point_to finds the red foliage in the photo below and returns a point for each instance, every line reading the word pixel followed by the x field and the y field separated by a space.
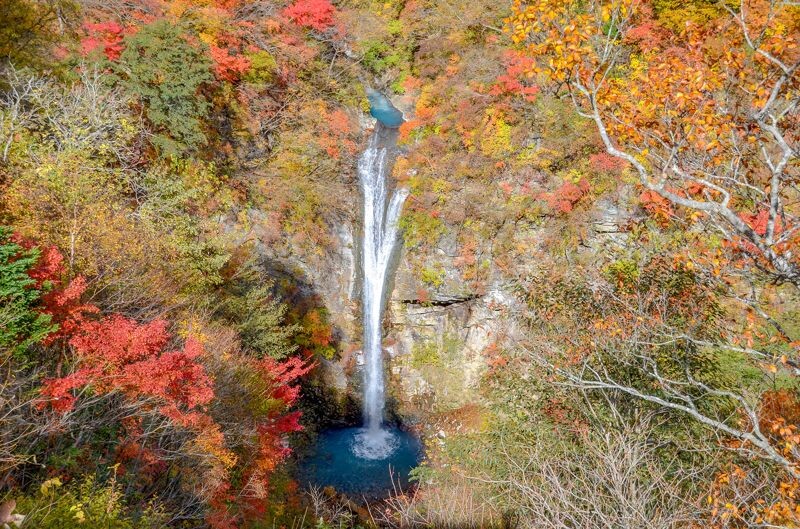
pixel 647 34
pixel 606 163
pixel 58 391
pixel 108 35
pixel 116 341
pixel 313 14
pixel 49 267
pixel 281 375
pixel 228 67
pixel 118 354
pixel 495 359
pixel 758 222
pixel 270 447
pixel 66 309
pixel 63 304
pixel 133 448
pixel 564 198
pixel 507 187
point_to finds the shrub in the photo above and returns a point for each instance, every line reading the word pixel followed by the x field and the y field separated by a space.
pixel 88 503
pixel 167 72
pixel 21 324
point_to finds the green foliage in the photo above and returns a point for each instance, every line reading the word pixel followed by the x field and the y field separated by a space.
pixel 624 272
pixel 381 56
pixel 394 27
pixel 87 503
pixel 433 276
pixel 425 354
pixel 167 73
pixel 495 141
pixel 21 324
pixel 260 319
pixel 375 53
pixel 440 361
pixel 262 68
pixel 421 229
pixel 178 198
pixel 421 474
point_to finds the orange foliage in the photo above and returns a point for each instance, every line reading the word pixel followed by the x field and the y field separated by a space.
pixel 228 67
pixel 703 111
pixel 320 332
pixel 657 206
pixel 742 498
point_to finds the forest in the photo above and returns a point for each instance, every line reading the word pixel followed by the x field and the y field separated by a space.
pixel 405 264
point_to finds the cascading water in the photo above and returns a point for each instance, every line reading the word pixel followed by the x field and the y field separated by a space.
pixel 372 460
pixel 380 238
pixel 381 214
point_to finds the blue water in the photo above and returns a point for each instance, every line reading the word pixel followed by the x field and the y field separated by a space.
pixel 383 110
pixel 337 464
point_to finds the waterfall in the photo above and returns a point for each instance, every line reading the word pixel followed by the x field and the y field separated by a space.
pixel 381 214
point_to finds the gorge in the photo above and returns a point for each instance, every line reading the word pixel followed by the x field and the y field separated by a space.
pixel 370 460
pixel 399 264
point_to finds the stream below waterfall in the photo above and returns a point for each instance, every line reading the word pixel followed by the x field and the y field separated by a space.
pixel 372 460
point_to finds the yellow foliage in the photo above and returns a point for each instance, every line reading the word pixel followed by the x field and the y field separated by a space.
pixel 495 136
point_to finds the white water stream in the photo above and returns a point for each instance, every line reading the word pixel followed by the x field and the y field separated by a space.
pixel 381 214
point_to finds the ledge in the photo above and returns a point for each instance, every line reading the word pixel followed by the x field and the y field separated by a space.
pixel 446 302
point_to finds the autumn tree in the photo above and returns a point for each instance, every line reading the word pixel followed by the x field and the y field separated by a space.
pixel 313 14
pixel 230 424
pixel 29 29
pixel 705 114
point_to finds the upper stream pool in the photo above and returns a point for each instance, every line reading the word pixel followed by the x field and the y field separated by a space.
pixel 383 110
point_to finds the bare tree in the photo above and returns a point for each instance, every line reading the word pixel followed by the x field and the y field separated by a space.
pixel 615 480
pixel 16 111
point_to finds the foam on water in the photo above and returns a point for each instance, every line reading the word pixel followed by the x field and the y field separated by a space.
pixel 374 444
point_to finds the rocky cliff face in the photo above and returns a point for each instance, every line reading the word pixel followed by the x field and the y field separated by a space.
pixel 439 350
pixel 435 347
